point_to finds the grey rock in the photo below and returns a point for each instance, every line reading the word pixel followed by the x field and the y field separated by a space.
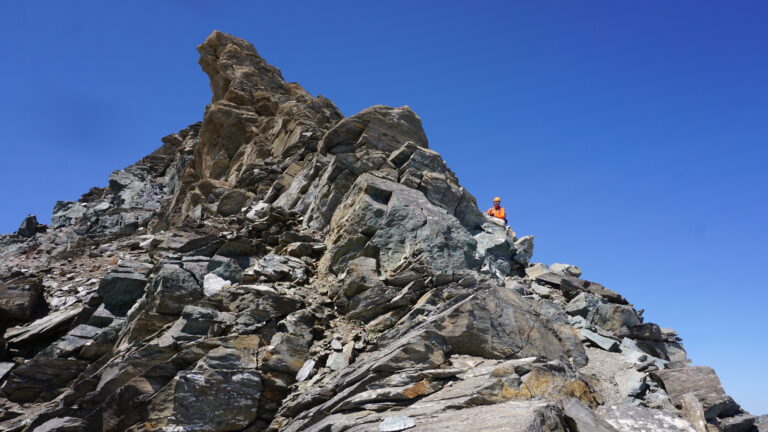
pixel 39 379
pixel 738 423
pixel 580 418
pixel 305 371
pixel 498 323
pixel 43 327
pixel 566 269
pixel 5 368
pixel 193 399
pixel 703 383
pixel 762 423
pixel 640 419
pixel 121 290
pixel 693 412
pixel 394 424
pixel 225 268
pixel 19 298
pixel 286 353
pixel 172 288
pixel 62 424
pixel 213 285
pixel 28 226
pixel 279 268
pixel 603 342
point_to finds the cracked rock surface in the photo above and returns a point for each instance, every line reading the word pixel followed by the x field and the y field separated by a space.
pixel 280 267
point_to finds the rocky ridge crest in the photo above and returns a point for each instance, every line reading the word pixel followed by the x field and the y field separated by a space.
pixel 279 267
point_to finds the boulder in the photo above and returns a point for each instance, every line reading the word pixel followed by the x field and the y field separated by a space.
pixel 40 379
pixel 28 227
pixel 742 422
pixel 44 327
pixel 275 268
pixel 498 323
pixel 580 418
pixel 193 399
pixel 121 290
pixel 641 419
pixel 19 298
pixel 703 383
pixel 565 269
pixel 172 288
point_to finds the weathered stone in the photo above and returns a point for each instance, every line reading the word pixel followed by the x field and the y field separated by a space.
pixel 394 424
pixel 580 418
pixel 62 424
pixel 693 412
pixel 172 288
pixel 278 268
pixel 305 371
pixel 193 399
pixel 738 423
pixel 19 298
pixel 603 342
pixel 40 379
pixel 566 269
pixel 28 227
pixel 213 285
pixel 121 290
pixel 44 327
pixel 498 323
pixel 641 419
pixel 703 383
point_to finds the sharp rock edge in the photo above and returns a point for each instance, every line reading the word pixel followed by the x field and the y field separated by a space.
pixel 280 267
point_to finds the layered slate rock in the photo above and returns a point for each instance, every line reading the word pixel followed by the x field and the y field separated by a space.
pixel 280 267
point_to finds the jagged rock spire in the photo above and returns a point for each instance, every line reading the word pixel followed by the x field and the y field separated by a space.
pixel 277 267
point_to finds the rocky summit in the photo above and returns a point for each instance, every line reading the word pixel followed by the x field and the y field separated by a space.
pixel 280 267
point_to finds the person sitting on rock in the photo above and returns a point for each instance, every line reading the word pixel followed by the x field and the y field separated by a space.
pixel 497 210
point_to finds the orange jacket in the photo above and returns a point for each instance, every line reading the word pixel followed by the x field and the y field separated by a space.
pixel 497 213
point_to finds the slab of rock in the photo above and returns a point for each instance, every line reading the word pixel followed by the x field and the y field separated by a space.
pixel 173 288
pixel 193 399
pixel 19 298
pixel 213 284
pixel 5 367
pixel 602 342
pixel 742 422
pixel 121 290
pixel 62 424
pixel 640 419
pixel 703 383
pixel 693 412
pixel 394 424
pixel 279 268
pixel 28 227
pixel 580 418
pixel 43 327
pixel 566 269
pixel 40 379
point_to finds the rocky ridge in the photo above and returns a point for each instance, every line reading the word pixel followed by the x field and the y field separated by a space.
pixel 280 267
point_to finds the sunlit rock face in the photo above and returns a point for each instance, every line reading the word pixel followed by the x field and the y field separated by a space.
pixel 280 267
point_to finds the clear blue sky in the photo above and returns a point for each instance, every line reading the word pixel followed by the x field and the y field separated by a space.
pixel 629 137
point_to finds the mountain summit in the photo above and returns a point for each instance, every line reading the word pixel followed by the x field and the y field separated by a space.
pixel 279 267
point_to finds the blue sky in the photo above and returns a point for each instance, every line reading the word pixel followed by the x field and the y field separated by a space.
pixel 628 137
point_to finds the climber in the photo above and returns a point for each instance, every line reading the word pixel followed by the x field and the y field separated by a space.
pixel 497 210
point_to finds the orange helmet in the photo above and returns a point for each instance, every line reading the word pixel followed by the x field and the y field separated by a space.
pixel 497 199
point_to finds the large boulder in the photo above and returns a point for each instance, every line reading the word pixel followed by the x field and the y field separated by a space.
pixel 400 228
pixel 703 383
pixel 221 393
pixel 19 298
